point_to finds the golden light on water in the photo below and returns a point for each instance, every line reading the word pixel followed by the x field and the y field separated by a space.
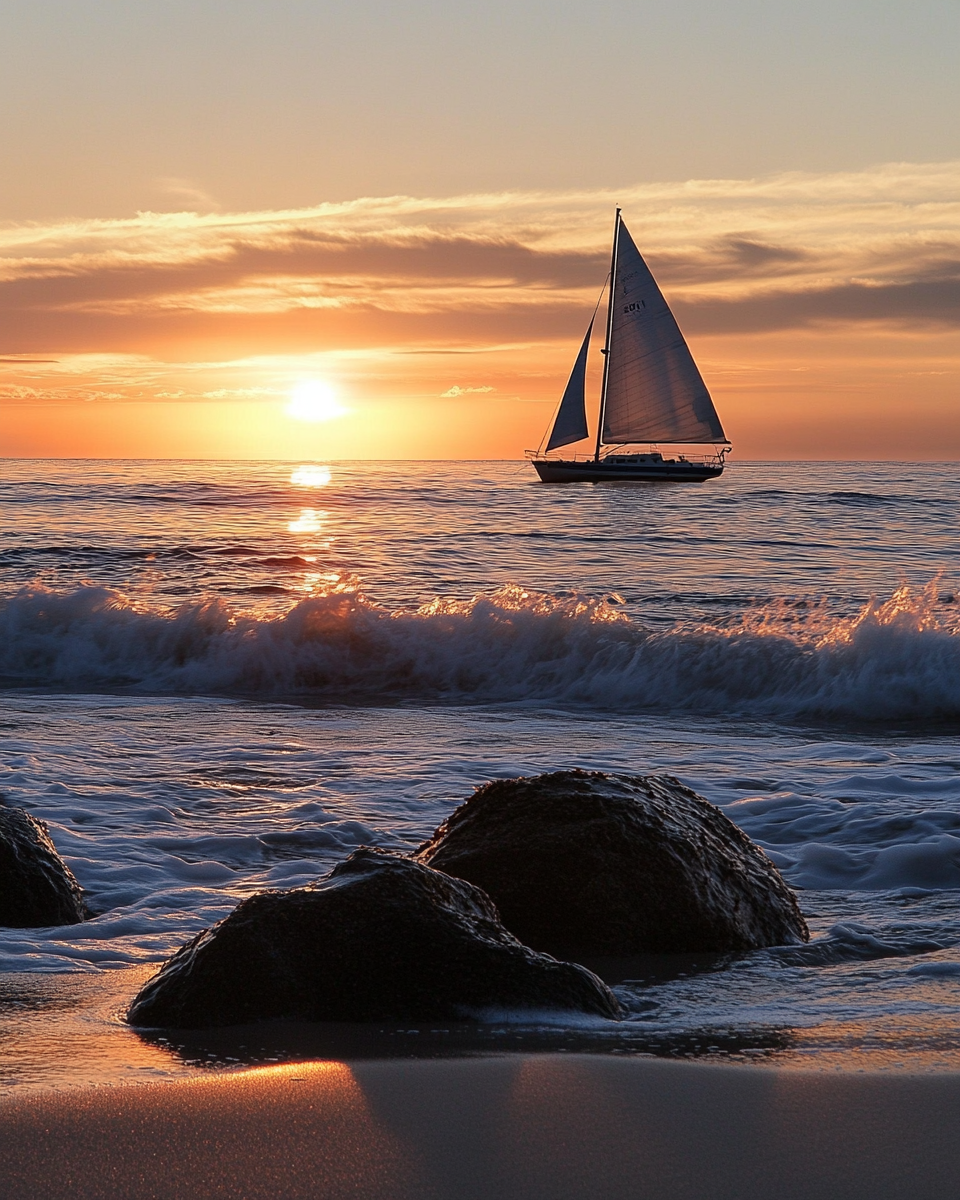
pixel 314 400
pixel 309 521
pixel 319 581
pixel 311 476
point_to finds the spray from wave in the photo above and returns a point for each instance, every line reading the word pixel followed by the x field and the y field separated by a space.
pixel 897 659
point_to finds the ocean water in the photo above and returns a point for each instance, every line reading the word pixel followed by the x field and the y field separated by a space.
pixel 219 677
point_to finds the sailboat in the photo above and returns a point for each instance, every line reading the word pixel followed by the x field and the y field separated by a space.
pixel 652 393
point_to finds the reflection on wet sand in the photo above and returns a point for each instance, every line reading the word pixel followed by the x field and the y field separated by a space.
pixel 68 1031
pixel 293 1041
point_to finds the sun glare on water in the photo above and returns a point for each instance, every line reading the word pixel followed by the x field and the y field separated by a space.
pixel 311 476
pixel 309 521
pixel 314 400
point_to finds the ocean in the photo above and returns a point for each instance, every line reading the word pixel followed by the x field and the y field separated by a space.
pixel 220 677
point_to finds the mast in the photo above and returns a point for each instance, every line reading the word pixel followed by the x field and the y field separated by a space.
pixel 606 349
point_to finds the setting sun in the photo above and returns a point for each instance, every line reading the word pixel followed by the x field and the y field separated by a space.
pixel 314 400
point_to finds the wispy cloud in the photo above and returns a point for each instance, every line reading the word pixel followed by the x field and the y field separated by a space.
pixel 391 275
pixel 191 194
pixel 456 390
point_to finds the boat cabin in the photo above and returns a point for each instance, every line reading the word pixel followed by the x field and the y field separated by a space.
pixel 652 457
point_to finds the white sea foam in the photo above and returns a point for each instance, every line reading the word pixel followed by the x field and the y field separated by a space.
pixel 896 659
pixel 169 810
pixel 187 756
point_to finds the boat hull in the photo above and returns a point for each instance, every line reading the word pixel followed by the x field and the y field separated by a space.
pixel 552 470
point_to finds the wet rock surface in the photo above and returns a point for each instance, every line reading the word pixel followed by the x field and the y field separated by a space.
pixel 380 938
pixel 37 888
pixel 582 864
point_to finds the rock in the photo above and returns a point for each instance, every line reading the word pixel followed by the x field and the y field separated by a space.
pixel 37 887
pixel 583 864
pixel 381 938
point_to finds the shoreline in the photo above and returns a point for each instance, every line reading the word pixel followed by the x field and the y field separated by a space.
pixel 537 1127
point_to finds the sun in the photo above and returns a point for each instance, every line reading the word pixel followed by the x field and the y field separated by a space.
pixel 314 400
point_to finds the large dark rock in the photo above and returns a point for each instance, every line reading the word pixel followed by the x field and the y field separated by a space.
pixel 381 938
pixel 582 864
pixel 37 887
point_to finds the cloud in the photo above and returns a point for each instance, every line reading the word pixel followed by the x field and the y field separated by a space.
pixel 925 303
pixel 734 257
pixel 188 191
pixel 456 390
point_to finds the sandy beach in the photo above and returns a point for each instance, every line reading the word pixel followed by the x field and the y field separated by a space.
pixel 547 1127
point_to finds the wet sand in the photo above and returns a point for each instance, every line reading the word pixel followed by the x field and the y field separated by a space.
pixel 538 1127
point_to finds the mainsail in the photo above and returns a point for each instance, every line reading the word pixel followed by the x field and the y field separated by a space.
pixel 570 424
pixel 654 392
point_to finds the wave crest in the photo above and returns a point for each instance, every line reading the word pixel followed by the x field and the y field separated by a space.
pixel 897 659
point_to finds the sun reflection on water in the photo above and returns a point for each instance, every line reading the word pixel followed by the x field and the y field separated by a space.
pixel 319 581
pixel 311 476
pixel 310 521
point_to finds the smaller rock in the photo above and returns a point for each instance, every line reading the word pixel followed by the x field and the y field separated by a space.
pixel 381 938
pixel 583 864
pixel 37 888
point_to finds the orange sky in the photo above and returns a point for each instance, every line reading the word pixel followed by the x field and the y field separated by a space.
pixel 823 310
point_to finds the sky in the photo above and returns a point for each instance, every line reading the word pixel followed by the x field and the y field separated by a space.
pixel 210 211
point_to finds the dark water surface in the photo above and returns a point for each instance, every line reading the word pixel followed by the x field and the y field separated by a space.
pixel 219 677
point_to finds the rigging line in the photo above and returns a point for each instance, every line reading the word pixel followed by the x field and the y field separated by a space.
pixel 553 419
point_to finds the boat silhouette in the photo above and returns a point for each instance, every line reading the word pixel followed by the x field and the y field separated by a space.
pixel 652 394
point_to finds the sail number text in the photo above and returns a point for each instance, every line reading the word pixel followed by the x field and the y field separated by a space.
pixel 637 304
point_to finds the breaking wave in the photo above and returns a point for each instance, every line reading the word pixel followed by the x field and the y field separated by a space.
pixel 896 659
